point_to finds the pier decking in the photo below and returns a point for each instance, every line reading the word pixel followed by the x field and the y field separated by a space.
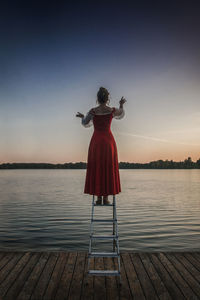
pixel 62 275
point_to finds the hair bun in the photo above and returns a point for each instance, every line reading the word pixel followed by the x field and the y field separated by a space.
pixel 102 95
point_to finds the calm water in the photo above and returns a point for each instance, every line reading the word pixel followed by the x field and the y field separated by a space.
pixel 158 210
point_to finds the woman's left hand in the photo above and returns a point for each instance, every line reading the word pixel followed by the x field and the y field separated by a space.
pixel 122 101
pixel 79 115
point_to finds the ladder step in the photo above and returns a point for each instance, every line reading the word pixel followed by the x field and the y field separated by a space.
pixel 104 220
pixel 112 237
pixel 104 272
pixel 103 254
pixel 103 204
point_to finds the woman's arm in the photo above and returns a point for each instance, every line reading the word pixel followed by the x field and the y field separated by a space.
pixel 87 120
pixel 119 112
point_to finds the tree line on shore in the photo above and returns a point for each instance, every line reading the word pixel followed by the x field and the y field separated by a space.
pixel 158 164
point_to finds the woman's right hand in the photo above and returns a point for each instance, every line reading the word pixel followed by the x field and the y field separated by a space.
pixel 122 101
pixel 79 115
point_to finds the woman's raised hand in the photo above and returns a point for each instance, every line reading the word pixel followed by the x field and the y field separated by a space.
pixel 122 101
pixel 79 115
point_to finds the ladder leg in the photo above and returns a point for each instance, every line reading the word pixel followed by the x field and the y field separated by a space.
pixel 115 213
pixel 114 231
pixel 91 230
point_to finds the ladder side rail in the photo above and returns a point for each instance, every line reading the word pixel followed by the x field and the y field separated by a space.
pixel 114 225
pixel 91 225
pixel 118 252
pixel 91 231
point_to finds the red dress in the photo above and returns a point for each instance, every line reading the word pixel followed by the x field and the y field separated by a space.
pixel 102 175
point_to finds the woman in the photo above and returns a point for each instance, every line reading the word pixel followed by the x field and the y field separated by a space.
pixel 102 176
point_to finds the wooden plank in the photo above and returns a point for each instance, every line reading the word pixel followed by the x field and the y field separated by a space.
pixel 66 278
pixel 191 257
pixel 143 277
pixel 2 255
pixel 17 285
pixel 16 265
pixel 125 289
pixel 88 285
pixel 181 283
pixel 5 259
pixel 30 284
pixel 99 281
pixel 134 283
pixel 112 292
pixel 196 255
pixel 77 280
pixel 45 277
pixel 55 277
pixel 181 264
pixel 174 291
pixel 158 284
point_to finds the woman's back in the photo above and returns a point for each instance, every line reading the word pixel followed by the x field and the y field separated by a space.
pixel 102 109
pixel 102 121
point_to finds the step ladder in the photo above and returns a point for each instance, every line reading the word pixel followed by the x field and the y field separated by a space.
pixel 113 238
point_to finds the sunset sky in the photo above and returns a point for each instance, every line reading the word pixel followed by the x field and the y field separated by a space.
pixel 54 58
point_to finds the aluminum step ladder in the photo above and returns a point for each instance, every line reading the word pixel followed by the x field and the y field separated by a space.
pixel 113 237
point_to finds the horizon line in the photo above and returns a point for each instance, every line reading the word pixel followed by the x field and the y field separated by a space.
pixel 72 162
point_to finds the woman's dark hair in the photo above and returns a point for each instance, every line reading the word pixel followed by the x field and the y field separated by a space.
pixel 103 95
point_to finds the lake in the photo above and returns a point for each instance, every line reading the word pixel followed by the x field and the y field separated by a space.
pixel 158 210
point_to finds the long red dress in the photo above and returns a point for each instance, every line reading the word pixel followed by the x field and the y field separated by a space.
pixel 102 175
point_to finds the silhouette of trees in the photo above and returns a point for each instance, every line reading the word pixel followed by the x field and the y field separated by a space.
pixel 70 165
pixel 198 163
pixel 163 164
pixel 158 164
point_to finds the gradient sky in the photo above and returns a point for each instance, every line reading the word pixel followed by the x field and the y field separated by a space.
pixel 55 56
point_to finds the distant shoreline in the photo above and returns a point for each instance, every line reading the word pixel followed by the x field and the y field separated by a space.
pixel 159 164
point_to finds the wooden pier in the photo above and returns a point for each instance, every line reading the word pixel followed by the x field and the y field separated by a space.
pixel 63 275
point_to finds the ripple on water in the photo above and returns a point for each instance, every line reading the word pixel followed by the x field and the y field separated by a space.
pixel 158 210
